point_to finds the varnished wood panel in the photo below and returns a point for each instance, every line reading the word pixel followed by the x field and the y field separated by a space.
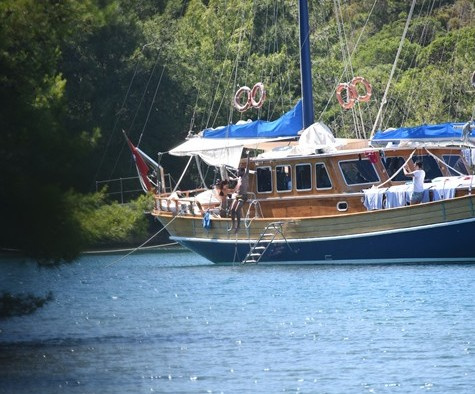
pixel 330 226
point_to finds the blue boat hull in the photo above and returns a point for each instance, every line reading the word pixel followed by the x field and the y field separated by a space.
pixel 447 242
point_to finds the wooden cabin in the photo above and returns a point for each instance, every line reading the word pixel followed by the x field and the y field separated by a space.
pixel 324 184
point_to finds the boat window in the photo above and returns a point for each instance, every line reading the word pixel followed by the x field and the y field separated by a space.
pixel 358 172
pixel 283 178
pixel 393 164
pixel 321 175
pixel 342 206
pixel 264 179
pixel 303 174
pixel 456 162
pixel 429 165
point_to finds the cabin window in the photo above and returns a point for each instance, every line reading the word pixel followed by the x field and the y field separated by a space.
pixel 321 176
pixel 357 172
pixel 303 175
pixel 393 164
pixel 429 165
pixel 283 178
pixel 456 162
pixel 264 180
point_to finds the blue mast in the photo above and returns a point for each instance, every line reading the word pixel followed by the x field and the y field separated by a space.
pixel 305 65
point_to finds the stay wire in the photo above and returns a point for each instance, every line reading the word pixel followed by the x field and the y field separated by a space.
pixel 243 18
pixel 332 93
pixel 151 106
pixel 136 112
pixel 393 69
pixel 415 92
pixel 145 90
pixel 114 128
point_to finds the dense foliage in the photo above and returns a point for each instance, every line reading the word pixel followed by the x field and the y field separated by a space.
pixel 74 74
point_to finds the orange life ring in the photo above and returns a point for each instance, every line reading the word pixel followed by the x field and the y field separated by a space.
pixel 349 95
pixel 367 86
pixel 258 87
pixel 237 99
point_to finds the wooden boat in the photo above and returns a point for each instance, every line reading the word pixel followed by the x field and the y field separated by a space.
pixel 320 200
pixel 331 224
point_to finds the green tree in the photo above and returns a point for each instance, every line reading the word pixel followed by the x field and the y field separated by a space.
pixel 54 84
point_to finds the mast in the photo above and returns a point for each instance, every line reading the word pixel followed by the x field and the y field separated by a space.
pixel 305 65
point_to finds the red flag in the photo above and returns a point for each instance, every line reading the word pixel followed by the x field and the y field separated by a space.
pixel 142 167
pixel 372 156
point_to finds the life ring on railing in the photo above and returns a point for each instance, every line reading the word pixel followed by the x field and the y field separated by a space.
pixel 258 88
pixel 349 95
pixel 368 88
pixel 237 99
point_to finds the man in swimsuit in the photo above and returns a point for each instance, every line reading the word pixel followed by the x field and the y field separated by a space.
pixel 240 194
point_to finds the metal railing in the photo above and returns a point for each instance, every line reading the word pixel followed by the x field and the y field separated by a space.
pixel 125 189
pixel 121 189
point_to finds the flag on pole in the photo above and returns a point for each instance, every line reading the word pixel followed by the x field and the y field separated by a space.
pixel 141 166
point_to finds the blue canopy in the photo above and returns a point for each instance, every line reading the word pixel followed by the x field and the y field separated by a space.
pixel 288 125
pixel 443 131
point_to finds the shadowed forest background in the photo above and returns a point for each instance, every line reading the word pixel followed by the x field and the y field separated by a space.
pixel 74 74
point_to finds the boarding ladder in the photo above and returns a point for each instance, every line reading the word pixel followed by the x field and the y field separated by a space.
pixel 263 242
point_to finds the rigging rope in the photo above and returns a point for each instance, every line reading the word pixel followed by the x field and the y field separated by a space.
pixel 443 162
pixel 137 111
pixel 192 121
pixel 393 69
pixel 114 128
pixel 145 243
pixel 356 112
pixel 151 106
pixel 182 175
pixel 242 32
pixel 198 164
pixel 398 171
pixel 415 92
pixel 145 91
pixel 332 93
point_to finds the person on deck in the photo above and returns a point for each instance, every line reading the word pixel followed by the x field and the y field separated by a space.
pixel 221 192
pixel 240 196
pixel 418 184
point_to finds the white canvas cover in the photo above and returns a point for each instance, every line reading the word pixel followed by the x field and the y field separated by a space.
pixel 315 137
pixel 219 152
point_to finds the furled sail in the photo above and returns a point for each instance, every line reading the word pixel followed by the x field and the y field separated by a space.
pixel 223 146
pixel 288 125
pixel 444 134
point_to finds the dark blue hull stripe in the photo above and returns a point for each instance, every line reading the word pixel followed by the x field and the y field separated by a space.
pixel 446 242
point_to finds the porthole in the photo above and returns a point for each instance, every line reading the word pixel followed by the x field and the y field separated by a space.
pixel 342 206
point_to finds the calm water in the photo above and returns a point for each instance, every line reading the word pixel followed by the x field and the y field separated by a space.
pixel 169 322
